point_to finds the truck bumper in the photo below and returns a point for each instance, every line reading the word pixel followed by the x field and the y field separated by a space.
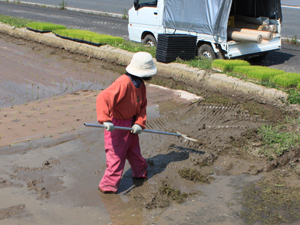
pixel 241 49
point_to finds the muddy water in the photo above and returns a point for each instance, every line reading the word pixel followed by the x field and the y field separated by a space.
pixel 30 73
pixel 54 179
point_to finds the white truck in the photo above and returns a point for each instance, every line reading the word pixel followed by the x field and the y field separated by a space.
pixel 220 25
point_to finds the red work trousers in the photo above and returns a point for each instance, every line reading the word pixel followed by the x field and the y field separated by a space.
pixel 119 146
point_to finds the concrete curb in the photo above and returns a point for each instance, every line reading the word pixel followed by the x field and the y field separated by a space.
pixel 179 72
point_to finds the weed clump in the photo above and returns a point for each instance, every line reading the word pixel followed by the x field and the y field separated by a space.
pixel 279 139
pixel 193 175
pixel 172 193
pixel 294 96
pixel 164 195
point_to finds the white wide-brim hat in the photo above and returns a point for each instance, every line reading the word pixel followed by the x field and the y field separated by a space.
pixel 142 65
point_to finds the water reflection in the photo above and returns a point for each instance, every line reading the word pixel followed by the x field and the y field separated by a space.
pixel 121 212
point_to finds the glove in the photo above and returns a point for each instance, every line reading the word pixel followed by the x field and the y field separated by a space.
pixel 109 126
pixel 136 129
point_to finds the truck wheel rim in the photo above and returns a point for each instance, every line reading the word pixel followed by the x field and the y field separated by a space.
pixel 206 54
pixel 150 43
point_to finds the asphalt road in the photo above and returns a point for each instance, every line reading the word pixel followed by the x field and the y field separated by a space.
pixel 71 19
pixel 287 58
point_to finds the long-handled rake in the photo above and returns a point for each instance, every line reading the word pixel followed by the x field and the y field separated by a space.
pixel 145 130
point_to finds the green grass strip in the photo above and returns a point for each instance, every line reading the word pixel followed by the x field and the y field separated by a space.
pixel 13 21
pixel 45 26
pixel 286 79
pixel 259 73
pixel 228 65
pixel 135 47
pixel 89 36
pixel 198 62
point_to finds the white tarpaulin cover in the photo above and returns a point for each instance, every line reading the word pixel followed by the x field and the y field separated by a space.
pixel 211 16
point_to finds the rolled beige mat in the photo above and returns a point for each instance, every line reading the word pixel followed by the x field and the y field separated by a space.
pixel 265 34
pixel 273 28
pixel 239 36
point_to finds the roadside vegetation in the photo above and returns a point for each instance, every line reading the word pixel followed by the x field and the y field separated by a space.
pixel 293 40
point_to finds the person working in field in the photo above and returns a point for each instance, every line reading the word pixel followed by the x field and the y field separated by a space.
pixel 124 103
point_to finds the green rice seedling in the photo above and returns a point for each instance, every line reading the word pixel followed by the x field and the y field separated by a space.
pixel 106 39
pixel 79 36
pixel 228 65
pixel 89 36
pixel 298 86
pixel 45 26
pixel 13 21
pixel 257 72
pixel 286 79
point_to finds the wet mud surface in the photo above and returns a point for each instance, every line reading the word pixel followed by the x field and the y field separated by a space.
pixel 50 165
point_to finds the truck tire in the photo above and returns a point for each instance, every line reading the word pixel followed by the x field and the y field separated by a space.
pixel 149 40
pixel 206 51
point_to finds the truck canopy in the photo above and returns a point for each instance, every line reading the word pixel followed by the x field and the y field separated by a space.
pixel 211 16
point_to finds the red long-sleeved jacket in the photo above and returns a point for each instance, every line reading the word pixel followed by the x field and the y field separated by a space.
pixel 122 100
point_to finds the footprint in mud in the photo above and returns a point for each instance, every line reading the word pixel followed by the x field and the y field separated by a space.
pixel 5 183
pixel 42 192
pixel 13 211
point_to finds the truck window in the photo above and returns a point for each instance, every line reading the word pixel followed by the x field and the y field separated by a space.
pixel 143 3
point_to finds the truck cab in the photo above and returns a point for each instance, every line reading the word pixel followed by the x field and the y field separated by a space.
pixel 216 23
